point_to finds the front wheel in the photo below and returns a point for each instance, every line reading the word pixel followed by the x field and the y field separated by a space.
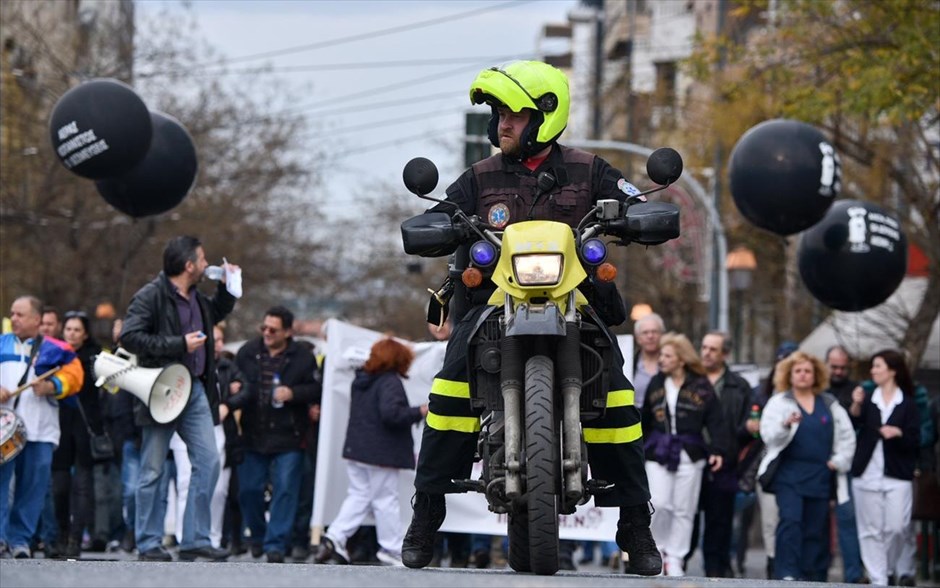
pixel 519 559
pixel 542 465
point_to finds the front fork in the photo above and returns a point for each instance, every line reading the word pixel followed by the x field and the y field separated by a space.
pixel 568 369
pixel 512 386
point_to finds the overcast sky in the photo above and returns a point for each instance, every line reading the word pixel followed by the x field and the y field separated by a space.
pixel 444 44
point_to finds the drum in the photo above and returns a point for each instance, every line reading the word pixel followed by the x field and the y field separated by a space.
pixel 12 435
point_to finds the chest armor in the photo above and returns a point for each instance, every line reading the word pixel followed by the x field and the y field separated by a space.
pixel 508 196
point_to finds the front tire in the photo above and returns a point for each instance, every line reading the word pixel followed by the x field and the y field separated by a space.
pixel 519 542
pixel 542 465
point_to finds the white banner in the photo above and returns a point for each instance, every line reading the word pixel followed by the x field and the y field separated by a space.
pixel 347 348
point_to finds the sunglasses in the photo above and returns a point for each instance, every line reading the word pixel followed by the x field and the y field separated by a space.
pixel 267 329
pixel 75 314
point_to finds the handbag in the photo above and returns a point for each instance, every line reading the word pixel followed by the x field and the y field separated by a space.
pixel 102 448
pixel 748 462
pixel 926 497
pixel 767 478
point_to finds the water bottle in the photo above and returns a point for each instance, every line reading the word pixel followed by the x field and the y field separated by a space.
pixel 755 414
pixel 214 272
pixel 274 384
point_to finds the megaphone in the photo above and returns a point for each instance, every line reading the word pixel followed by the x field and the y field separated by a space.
pixel 165 391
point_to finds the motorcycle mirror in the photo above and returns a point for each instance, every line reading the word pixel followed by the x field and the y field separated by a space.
pixel 664 166
pixel 420 176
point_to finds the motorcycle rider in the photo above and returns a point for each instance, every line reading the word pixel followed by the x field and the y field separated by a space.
pixel 533 178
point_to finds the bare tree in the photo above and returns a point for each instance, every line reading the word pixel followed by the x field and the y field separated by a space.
pixel 254 200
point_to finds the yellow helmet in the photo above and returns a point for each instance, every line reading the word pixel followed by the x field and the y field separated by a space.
pixel 526 84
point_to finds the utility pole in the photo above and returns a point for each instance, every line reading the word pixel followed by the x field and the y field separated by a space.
pixel 718 260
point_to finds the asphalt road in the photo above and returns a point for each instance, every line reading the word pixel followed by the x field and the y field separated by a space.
pixel 120 569
pixel 59 574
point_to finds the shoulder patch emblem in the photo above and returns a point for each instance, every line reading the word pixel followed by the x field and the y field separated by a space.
pixel 498 215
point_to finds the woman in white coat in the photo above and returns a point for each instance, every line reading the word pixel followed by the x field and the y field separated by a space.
pixel 809 439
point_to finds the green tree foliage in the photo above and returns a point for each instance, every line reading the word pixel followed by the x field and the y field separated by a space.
pixel 864 72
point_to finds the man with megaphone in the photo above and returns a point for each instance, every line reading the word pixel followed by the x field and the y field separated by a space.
pixel 170 321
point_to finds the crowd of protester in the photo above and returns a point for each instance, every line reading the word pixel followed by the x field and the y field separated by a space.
pixel 810 451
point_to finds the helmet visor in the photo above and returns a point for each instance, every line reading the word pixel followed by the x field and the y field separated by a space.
pixel 495 83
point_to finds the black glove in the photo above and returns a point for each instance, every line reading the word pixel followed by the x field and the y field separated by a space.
pixel 606 301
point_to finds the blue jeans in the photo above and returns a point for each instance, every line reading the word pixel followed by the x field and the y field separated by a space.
pixel 285 471
pixel 848 540
pixel 196 429
pixel 33 468
pixel 608 549
pixel 130 475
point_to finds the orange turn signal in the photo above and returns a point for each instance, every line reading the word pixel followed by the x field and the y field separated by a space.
pixel 606 272
pixel 471 277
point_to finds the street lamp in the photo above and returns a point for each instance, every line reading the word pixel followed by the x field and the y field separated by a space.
pixel 740 264
pixel 639 311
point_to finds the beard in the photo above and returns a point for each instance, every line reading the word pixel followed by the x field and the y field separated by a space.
pixel 509 146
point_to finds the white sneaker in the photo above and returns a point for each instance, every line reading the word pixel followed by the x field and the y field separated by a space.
pixel 389 559
pixel 673 566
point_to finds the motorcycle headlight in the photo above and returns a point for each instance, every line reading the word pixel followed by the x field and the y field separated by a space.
pixel 537 269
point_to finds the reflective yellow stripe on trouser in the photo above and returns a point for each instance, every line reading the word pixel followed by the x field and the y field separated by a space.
pixel 461 424
pixel 625 434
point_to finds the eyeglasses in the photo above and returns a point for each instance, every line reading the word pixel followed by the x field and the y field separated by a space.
pixel 75 314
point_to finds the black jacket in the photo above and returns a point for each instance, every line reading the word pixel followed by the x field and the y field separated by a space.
pixel 697 411
pixel 380 419
pixel 88 395
pixel 266 429
pixel 580 180
pixel 227 372
pixel 735 399
pixel 901 452
pixel 152 332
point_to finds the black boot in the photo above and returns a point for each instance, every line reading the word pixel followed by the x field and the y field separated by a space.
pixel 770 568
pixel 634 537
pixel 418 547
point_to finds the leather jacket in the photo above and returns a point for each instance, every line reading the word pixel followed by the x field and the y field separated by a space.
pixel 152 332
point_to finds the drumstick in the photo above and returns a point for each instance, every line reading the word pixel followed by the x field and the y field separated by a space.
pixel 16 392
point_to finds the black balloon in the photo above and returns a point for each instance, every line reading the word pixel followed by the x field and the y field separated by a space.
pixel 855 258
pixel 162 179
pixel 100 128
pixel 784 175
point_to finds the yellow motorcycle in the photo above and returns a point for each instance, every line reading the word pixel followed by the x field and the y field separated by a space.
pixel 539 357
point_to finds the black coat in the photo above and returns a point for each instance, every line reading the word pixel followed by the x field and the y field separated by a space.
pixel 74 442
pixel 266 429
pixel 380 419
pixel 152 332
